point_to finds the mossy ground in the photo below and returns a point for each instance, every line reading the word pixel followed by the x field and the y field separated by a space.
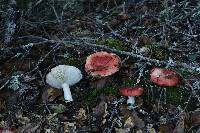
pixel 74 61
pixel 112 43
pixel 111 89
pixel 177 96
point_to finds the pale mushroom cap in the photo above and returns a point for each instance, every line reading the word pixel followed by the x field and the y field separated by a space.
pixel 63 74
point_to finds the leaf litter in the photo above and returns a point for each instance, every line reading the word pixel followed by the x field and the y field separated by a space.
pixel 159 34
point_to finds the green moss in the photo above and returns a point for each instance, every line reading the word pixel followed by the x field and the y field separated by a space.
pixel 112 89
pixel 91 98
pixel 177 95
pixel 126 81
pixel 112 43
pixel 115 12
pixel 174 95
pixel 20 41
pixel 23 4
pixel 186 72
pixel 74 61
pixel 157 53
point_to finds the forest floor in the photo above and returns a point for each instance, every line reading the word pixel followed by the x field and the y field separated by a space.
pixel 37 36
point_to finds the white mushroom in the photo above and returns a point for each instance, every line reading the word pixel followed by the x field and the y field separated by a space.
pixel 63 76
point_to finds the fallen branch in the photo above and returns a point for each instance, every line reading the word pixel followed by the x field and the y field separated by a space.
pixel 83 43
pixel 86 43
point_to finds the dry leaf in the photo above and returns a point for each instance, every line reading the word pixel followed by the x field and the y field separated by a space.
pixel 69 127
pixel 195 118
pixel 51 117
pixel 129 123
pixel 131 118
pixel 2 104
pixel 137 121
pixel 48 131
pixel 121 130
pixel 81 116
pixel 192 120
pixel 123 16
pixel 100 109
pixel 51 94
pixel 29 128
pixel 124 110
pixel 139 131
pixel 166 128
pixel 21 119
pixel 3 96
pixel 150 128
pixel 180 124
pixel 58 108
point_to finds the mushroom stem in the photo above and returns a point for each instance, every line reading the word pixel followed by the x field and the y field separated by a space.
pixel 131 100
pixel 67 92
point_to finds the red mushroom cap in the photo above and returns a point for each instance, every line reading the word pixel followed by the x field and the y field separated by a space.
pixel 102 64
pixel 164 77
pixel 132 91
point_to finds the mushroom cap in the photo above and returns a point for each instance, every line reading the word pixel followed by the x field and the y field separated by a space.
pixel 164 77
pixel 102 64
pixel 132 91
pixel 63 74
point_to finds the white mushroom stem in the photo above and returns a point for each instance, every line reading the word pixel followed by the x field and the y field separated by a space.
pixel 67 92
pixel 131 100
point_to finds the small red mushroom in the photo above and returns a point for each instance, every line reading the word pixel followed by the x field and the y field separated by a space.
pixel 102 64
pixel 131 92
pixel 164 77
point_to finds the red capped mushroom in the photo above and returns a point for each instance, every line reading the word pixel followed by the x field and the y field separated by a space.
pixel 164 77
pixel 102 64
pixel 131 92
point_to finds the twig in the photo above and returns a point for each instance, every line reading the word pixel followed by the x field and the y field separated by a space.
pixel 43 58
pixel 10 23
pixel 56 14
pixel 116 34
